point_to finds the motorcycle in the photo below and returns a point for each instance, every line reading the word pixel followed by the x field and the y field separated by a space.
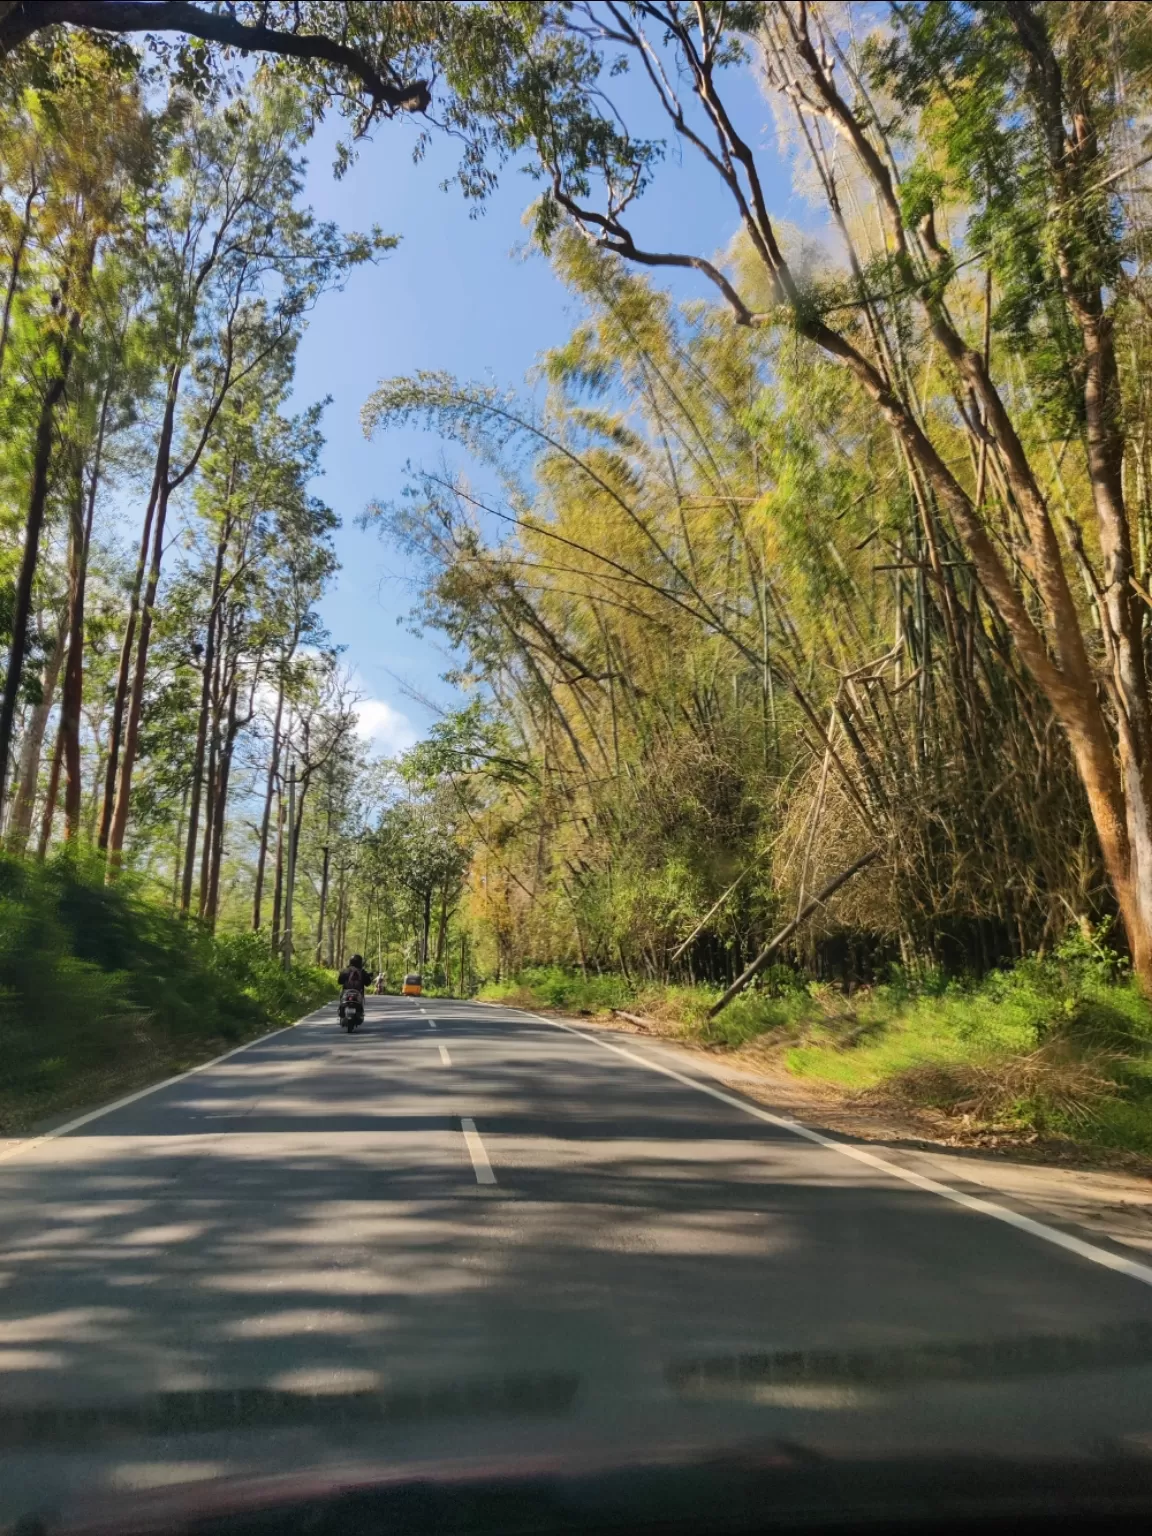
pixel 351 1009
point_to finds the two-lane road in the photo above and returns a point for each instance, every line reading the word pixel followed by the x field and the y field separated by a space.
pixel 464 1229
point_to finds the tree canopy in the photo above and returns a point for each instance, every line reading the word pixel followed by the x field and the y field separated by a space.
pixel 850 552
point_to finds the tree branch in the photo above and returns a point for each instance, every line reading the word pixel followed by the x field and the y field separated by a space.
pixel 22 21
pixel 618 239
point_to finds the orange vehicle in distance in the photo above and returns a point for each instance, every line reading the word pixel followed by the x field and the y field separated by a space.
pixel 413 985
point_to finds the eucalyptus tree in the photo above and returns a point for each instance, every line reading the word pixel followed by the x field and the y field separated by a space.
pixel 419 853
pixel 272 548
pixel 331 852
pixel 237 266
pixel 320 730
pixel 73 163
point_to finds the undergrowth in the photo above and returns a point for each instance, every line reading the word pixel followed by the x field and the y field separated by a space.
pixel 1059 1045
pixel 101 988
pixel 548 986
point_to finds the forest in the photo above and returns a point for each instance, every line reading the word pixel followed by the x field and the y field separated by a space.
pixel 799 605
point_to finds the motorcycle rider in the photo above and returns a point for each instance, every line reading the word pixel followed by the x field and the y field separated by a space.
pixel 354 978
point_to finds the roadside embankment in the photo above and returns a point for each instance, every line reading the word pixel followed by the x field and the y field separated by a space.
pixel 103 990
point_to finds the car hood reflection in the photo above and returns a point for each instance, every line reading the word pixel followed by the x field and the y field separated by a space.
pixel 524 1395
pixel 833 1377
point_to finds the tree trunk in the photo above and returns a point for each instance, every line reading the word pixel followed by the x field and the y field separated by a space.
pixel 124 670
pixel 323 904
pixel 442 934
pixel 211 783
pixel 178 850
pixel 72 696
pixel 49 814
pixel 789 929
pixel 14 273
pixel 301 792
pixel 94 795
pixel 266 818
pixel 338 925
pixel 220 809
pixel 278 886
pixel 425 929
pixel 24 800
pixel 33 526
pixel 115 728
pixel 196 785
pixel 1074 161
pixel 117 830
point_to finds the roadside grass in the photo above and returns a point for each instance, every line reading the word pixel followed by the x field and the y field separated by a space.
pixel 548 986
pixel 1059 1046
pixel 103 990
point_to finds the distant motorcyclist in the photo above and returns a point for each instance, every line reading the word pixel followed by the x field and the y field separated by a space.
pixel 381 985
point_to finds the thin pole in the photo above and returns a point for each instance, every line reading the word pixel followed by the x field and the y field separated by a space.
pixel 291 880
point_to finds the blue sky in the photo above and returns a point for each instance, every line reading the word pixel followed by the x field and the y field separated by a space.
pixel 460 294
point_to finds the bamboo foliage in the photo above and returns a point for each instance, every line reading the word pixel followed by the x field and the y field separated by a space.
pixel 707 604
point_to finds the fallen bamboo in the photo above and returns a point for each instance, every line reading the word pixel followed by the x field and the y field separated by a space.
pixel 711 912
pixel 789 929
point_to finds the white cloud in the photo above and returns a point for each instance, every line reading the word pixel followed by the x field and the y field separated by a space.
pixel 386 728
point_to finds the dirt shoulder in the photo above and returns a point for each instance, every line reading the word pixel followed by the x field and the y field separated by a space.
pixel 1106 1195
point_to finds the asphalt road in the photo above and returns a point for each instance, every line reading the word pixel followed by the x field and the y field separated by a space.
pixel 463 1230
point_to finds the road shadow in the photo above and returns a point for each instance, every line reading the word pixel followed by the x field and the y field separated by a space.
pixel 296 1238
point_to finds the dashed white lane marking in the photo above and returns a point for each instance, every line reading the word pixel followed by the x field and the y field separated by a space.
pixel 1047 1234
pixel 444 1056
pixel 480 1164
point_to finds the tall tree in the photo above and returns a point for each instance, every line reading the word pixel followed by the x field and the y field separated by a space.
pixel 225 229
pixel 91 134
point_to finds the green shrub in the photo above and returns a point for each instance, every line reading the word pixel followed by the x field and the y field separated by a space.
pixel 1059 1044
pixel 548 986
pixel 100 985
pixel 757 1013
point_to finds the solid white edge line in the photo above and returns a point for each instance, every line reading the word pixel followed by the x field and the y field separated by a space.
pixel 1047 1234
pixel 142 1093
pixel 480 1164
pixel 444 1056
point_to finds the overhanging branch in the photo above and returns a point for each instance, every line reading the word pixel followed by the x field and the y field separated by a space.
pixel 617 238
pixel 21 21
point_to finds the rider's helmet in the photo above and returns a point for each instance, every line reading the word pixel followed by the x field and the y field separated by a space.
pixel 357 960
